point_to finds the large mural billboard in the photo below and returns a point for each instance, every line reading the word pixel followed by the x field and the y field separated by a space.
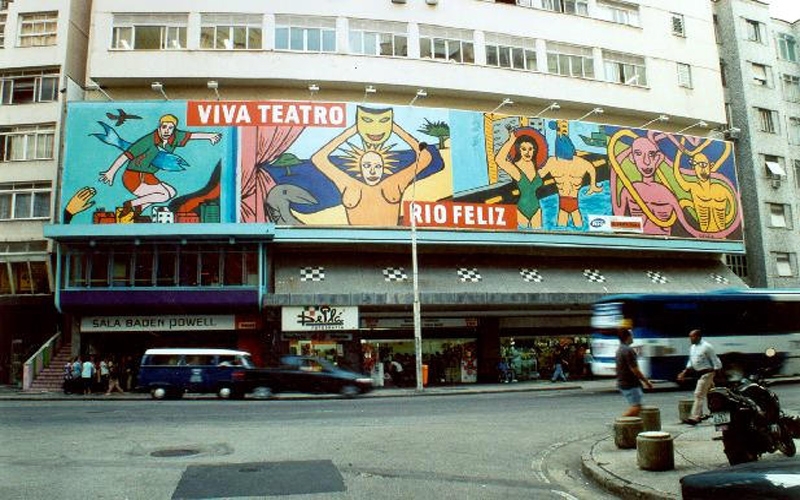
pixel 348 164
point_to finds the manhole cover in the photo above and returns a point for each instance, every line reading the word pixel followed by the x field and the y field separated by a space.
pixel 178 452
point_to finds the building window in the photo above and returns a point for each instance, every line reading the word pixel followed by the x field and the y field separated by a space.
pixel 774 167
pixel 783 264
pixel 624 68
pixel 579 7
pixel 570 60
pixel 162 266
pixel 27 143
pixel 678 24
pixel 37 29
pixel 737 264
pixel 791 88
pixel 149 31
pixel 231 32
pixel 305 33
pixel 762 75
pixel 28 87
pixel 24 278
pixel 728 115
pixel 767 120
pixel 3 18
pixel 787 47
pixel 717 35
pixel 796 173
pixel 618 12
pixel 447 44
pixel 378 38
pixel 25 200
pixel 794 130
pixel 510 52
pixel 684 75
pixel 723 73
pixel 778 216
pixel 754 30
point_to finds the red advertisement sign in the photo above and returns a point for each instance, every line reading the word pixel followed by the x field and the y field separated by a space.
pixel 461 215
pixel 262 113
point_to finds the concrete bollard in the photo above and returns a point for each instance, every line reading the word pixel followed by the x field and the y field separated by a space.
pixel 685 409
pixel 651 418
pixel 625 431
pixel 655 451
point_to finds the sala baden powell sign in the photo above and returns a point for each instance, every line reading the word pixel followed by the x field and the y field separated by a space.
pixel 188 322
pixel 460 215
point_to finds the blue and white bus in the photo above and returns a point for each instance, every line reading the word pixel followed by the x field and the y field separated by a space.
pixel 740 324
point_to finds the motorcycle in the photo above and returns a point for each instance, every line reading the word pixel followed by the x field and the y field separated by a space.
pixel 750 418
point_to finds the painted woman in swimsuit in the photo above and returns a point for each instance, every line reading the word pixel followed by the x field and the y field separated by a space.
pixel 520 157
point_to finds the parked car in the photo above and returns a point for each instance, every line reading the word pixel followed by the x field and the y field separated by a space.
pixel 303 374
pixel 172 372
pixel 765 480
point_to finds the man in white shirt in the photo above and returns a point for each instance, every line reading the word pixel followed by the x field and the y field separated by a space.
pixel 703 361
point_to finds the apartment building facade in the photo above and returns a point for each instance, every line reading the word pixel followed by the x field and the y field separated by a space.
pixel 249 234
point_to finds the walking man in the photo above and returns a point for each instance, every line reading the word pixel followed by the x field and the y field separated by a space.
pixel 703 361
pixel 629 378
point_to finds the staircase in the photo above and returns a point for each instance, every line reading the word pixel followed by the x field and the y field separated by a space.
pixel 51 379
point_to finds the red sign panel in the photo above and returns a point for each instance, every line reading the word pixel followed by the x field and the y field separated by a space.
pixel 261 113
pixel 461 215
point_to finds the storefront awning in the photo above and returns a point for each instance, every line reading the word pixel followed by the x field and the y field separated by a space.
pixel 504 281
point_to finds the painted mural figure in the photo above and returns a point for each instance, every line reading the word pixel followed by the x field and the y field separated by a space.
pixel 568 170
pixel 373 195
pixel 653 202
pixel 713 203
pixel 520 157
pixel 139 176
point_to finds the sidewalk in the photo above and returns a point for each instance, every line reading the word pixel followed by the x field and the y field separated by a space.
pixel 614 469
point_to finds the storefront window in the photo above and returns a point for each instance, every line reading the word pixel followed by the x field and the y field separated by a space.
pixel 98 269
pixel 5 282
pixel 448 361
pixel 40 278
pixel 210 268
pixel 251 267
pixel 188 267
pixel 233 268
pixel 166 267
pixel 121 269
pixel 78 268
pixel 143 268
pixel 531 358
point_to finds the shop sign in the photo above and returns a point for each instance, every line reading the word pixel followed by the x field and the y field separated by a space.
pixel 408 323
pixel 315 318
pixel 319 337
pixel 266 113
pixel 461 215
pixel 615 224
pixel 166 323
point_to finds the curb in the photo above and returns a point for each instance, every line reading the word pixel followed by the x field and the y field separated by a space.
pixel 615 484
pixel 390 393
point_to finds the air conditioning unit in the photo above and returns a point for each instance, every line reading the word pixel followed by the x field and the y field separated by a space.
pixel 775 182
pixel 398 1
pixel 432 2
pixel 733 133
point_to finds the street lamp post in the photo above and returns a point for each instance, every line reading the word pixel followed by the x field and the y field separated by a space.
pixel 415 274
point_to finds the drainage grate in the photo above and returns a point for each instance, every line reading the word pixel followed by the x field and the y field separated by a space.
pixel 175 452
pixel 259 479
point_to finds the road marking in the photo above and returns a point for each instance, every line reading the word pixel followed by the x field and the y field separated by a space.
pixel 563 494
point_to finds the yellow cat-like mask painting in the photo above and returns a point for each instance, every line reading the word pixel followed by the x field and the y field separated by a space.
pixel 374 125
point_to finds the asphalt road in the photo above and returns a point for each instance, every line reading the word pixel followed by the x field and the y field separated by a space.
pixel 478 446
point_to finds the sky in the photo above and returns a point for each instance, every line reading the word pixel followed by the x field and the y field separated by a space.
pixel 788 10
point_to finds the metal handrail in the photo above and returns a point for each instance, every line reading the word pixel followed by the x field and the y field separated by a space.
pixel 40 360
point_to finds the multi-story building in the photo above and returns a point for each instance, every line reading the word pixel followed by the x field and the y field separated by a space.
pixel 241 175
pixel 761 76
pixel 42 63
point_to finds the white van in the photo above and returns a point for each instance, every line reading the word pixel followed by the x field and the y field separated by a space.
pixel 172 372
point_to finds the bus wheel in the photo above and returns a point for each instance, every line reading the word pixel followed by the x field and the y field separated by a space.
pixel 159 393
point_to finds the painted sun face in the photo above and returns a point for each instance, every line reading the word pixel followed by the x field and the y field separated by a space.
pixel 374 125
pixel 372 168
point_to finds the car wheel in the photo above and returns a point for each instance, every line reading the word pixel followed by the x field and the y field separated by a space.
pixel 224 392
pixel 350 391
pixel 262 392
pixel 159 393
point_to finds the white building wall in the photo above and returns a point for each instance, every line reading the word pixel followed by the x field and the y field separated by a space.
pixel 469 86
